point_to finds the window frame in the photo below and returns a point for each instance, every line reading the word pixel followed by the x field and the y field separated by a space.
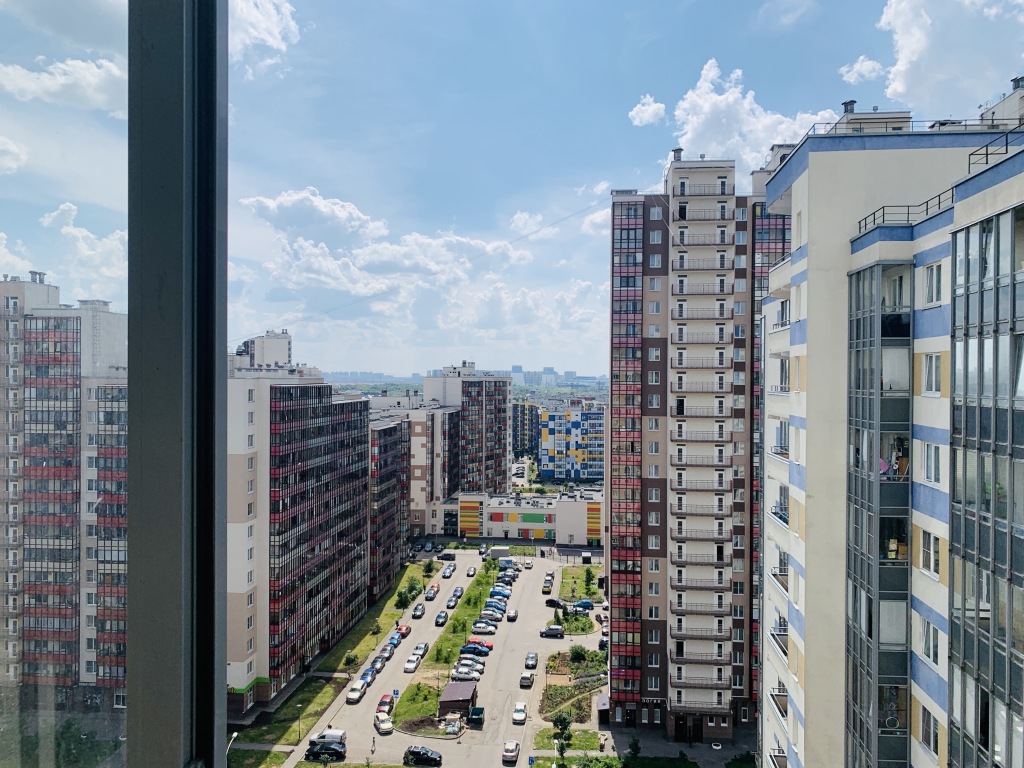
pixel 932 385
pixel 933 284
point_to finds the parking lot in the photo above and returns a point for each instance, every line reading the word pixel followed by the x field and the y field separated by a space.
pixel 498 690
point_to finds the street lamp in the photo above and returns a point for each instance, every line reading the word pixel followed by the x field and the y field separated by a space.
pixel 299 737
pixel 232 741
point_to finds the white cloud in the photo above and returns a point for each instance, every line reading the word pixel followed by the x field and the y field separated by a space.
pixel 338 211
pixel 260 24
pixel 525 223
pixel 12 156
pixel 597 223
pixel 100 84
pixel 862 69
pixel 719 118
pixel 783 13
pixel 9 263
pixel 93 257
pixel 96 25
pixel 647 112
pixel 601 187
pixel 909 24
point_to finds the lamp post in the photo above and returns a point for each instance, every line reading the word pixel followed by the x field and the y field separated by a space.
pixel 298 741
pixel 232 741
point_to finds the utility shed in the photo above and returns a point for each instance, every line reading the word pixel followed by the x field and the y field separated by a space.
pixel 457 697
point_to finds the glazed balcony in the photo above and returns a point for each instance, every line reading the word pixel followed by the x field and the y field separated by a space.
pixel 696 534
pixel 680 486
pixel 781 513
pixel 700 633
pixel 702 289
pixel 712 560
pixel 712 387
pixel 701 436
pixel 699 682
pixel 702 313
pixel 714 585
pixel 703 265
pixel 700 609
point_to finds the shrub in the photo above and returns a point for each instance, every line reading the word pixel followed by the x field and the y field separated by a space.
pixel 350 659
pixel 375 629
pixel 577 654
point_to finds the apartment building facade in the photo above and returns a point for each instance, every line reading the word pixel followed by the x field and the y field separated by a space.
pixel 298 524
pixel 571 443
pixel 389 503
pixel 878 500
pixel 678 546
pixel 525 428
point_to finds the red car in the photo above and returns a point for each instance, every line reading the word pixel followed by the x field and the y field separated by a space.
pixel 386 703
pixel 403 629
pixel 480 641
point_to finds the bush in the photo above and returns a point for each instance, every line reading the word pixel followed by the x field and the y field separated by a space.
pixel 402 601
pixel 428 567
pixel 577 654
pixel 350 659
pixel 413 587
pixel 376 629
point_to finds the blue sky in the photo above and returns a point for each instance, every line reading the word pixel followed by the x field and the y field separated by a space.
pixel 413 184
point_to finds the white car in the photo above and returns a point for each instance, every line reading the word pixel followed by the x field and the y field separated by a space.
pixel 528 563
pixel 413 663
pixel 510 751
pixel 519 713
pixel 356 692
pixel 483 628
pixel 473 662
pixel 382 722
pixel 605 606
pixel 465 674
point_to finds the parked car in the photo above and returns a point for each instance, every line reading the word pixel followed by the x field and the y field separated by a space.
pixel 476 650
pixel 483 628
pixel 329 735
pixel 441 619
pixel 512 615
pixel 494 605
pixel 446 556
pixel 554 602
pixel 328 752
pixel 378 663
pixel 602 644
pixel 430 594
pixel 453 603
pixel 605 606
pixel 482 549
pixel 418 547
pixel 395 639
pixel 519 713
pixel 421 756
pixel 412 663
pixel 549 575
pixel 488 615
pixel 500 592
pixel 531 660
pixel 458 592
pixel 489 645
pixel 382 722
pixel 421 649
pixel 526 680
pixel 587 604
pixel 369 675
pixel 446 573
pixel 387 652
pixel 510 751
pixel 555 630
pixel 356 692
pixel 429 547
pixel 386 704
pixel 418 610
pixel 471 571
pixel 465 674
pixel 546 588
pixel 404 630
pixel 528 563
pixel 471 661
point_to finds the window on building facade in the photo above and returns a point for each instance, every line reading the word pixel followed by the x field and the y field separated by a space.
pixel 930 552
pixel 655 213
pixel 654 260
pixel 653 612
pixel 653 588
pixel 653 683
pixel 654 307
pixel 654 283
pixel 932 464
pixel 654 494
pixel 653 541
pixel 741 238
pixel 655 237
pixel 653 635
pixel 654 448
pixel 931 641
pixel 932 374
pixel 654 354
pixel 654 517
pixel 653 565
pixel 933 284
pixel 929 731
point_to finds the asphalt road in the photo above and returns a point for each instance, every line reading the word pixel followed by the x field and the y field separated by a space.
pixel 498 690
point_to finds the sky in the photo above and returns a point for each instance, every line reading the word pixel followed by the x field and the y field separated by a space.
pixel 413 184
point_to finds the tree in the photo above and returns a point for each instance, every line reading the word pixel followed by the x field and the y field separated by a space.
pixel 413 587
pixel 634 751
pixel 428 567
pixel 402 601
pixel 588 580
pixel 577 654
pixel 562 722
pixel 558 617
pixel 376 628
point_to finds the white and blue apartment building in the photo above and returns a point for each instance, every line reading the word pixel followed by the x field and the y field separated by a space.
pixel 892 603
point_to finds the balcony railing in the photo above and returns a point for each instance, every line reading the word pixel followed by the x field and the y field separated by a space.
pixel 715 585
pixel 778 389
pixel 696 534
pixel 699 682
pixel 702 289
pixel 725 559
pixel 707 363
pixel 700 609
pixel 906 214
pixel 781 325
pixel 699 240
pixel 777 758
pixel 700 265
pixel 724 387
pixel 700 708
pixel 699 633
pixel 780 639
pixel 699 510
pixel 689 657
pixel 781 575
pixel 702 338
pixel 700 436
pixel 703 190
pixel 725 484
pixel 781 513
pixel 703 214
pixel 780 698
pixel 700 461
pixel 702 313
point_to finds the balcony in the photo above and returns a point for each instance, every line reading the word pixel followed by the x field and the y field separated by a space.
pixel 699 707
pixel 714 560
pixel 781 513
pixel 781 577
pixel 680 486
pixel 699 633
pixel 692 363
pixel 699 682
pixel 10 450
pixel 712 387
pixel 780 703
pixel 703 190
pixel 700 241
pixel 698 510
pixel 702 313
pixel 701 436
pixel 780 639
pixel 717 339
pixel 778 389
pixel 689 657
pixel 702 289
pixel 700 461
pixel 696 534
pixel 703 214
pixel 700 265
pixel 716 585
pixel 700 609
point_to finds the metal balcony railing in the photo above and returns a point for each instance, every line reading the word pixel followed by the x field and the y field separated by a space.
pixel 703 190
pixel 702 289
pixel 780 698
pixel 780 639
pixel 690 657
pixel 702 363
pixel 714 560
pixel 699 682
pixel 698 510
pixel 777 758
pixel 701 436
pixel 696 534
pixel 700 485
pixel 703 214
pixel 700 461
pixel 781 513
pixel 701 240
pixel 721 339
pixel 906 214
pixel 699 633
pixel 702 265
pixel 714 585
pixel 700 609
pixel 700 708
pixel 781 575
pixel 702 313
pixel 715 387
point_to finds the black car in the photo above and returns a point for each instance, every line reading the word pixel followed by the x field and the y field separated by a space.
pixel 418 610
pixel 512 615
pixel 421 756
pixel 453 602
pixel 554 602
pixel 458 592
pixel 329 752
pixel 442 619
pixel 602 644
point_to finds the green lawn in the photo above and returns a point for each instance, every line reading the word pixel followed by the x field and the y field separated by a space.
pixel 66 746
pixel 360 640
pixel 575 576
pixel 251 758
pixel 418 700
pixel 591 761
pixel 523 550
pixel 581 739
pixel 745 760
pixel 313 698
pixel 446 649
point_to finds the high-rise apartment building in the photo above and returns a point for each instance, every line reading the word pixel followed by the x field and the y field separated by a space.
pixel 64 431
pixel 525 428
pixel 298 527
pixel 857 425
pixel 484 423
pixel 389 503
pixel 678 464
pixel 571 442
